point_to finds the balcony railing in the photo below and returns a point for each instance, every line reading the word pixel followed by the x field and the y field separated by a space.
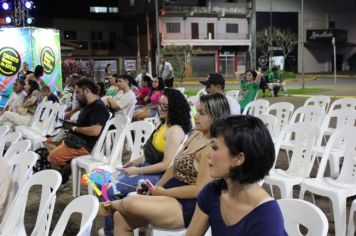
pixel 186 36
pixel 239 10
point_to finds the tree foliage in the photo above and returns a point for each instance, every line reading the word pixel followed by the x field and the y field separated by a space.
pixel 272 37
pixel 83 68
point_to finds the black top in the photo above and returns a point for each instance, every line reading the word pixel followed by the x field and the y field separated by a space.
pixel 95 113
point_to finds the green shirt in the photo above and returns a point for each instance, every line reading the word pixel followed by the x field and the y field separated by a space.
pixel 247 93
pixel 111 91
pixel 274 77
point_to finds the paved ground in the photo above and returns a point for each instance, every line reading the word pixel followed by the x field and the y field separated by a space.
pixel 344 87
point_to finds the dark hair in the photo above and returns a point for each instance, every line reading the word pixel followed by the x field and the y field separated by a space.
pixel 20 81
pixel 216 105
pixel 102 90
pixel 247 135
pixel 46 89
pixel 148 80
pixel 178 109
pixel 160 85
pixel 85 83
pixel 275 68
pixel 38 71
pixel 253 72
pixel 33 86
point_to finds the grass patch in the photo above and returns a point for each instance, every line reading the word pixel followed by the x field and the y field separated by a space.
pixel 191 91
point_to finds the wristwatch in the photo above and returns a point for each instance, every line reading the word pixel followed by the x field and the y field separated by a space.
pixel 74 128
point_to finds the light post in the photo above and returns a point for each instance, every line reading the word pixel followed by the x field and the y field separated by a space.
pixel 334 50
pixel 303 84
pixel 21 10
pixel 158 52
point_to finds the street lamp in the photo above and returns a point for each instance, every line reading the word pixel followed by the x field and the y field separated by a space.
pixel 303 85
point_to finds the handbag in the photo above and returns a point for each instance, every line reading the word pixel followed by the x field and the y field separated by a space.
pixel 74 141
pixel 152 155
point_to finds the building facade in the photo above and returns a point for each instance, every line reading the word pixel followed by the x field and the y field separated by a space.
pixel 218 28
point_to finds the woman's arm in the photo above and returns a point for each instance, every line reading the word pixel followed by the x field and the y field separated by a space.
pixel 258 78
pixel 190 191
pixel 32 100
pixel 174 138
pixel 167 176
pixel 199 224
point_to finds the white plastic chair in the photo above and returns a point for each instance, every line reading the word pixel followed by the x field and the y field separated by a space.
pixel 256 108
pixel 9 138
pixel 21 166
pixel 310 113
pixel 20 146
pixel 298 212
pixel 13 221
pixel 192 100
pixel 98 156
pixel 351 225
pixel 344 117
pixel 320 100
pixel 283 111
pixel 79 205
pixel 65 99
pixel 344 186
pixel 234 94
pixel 154 120
pixel 343 103
pixel 306 136
pixel 270 122
pixel 4 129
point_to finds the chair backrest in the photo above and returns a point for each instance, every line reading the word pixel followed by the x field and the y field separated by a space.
pixel 202 91
pixel 21 166
pixel 256 108
pixel 4 129
pixel 16 148
pixel 283 112
pixel 298 212
pixel 311 113
pixel 344 117
pixel 346 139
pixel 270 121
pixel 305 138
pixel 9 138
pixel 39 112
pixel 13 221
pixel 234 94
pixel 343 103
pixel 106 141
pixel 65 99
pixel 131 111
pixel 136 134
pixel 45 120
pixel 320 100
pixel 78 205
pixel 154 120
pixel 58 117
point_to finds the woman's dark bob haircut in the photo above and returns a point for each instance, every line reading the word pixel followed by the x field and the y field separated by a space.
pixel 247 135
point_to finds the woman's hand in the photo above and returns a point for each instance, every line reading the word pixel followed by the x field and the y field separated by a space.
pixel 132 170
pixel 147 99
pixel 157 191
pixel 128 164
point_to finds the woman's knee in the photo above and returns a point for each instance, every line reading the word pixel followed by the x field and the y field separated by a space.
pixel 129 204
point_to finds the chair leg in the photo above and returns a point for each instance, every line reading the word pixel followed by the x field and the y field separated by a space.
pixel 78 180
pixel 271 189
pixel 286 191
pixel 73 165
pixel 334 162
pixel 302 192
pixel 351 225
pixel 339 209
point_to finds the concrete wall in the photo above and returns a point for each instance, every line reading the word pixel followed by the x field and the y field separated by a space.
pixel 219 27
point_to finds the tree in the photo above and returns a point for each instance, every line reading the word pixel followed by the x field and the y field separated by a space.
pixel 180 57
pixel 271 38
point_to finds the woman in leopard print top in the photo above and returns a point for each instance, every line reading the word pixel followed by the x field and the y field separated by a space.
pixel 173 199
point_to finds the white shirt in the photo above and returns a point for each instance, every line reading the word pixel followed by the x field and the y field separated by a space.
pixel 15 100
pixel 125 102
pixel 167 71
pixel 235 108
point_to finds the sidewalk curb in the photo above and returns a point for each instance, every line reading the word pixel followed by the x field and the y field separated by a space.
pixel 312 95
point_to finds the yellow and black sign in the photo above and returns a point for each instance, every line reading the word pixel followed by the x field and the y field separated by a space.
pixel 10 61
pixel 48 60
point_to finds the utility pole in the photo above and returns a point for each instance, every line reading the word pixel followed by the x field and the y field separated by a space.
pixel 138 63
pixel 303 84
pixel 158 51
pixel 149 53
pixel 270 33
pixel 334 49
pixel 253 34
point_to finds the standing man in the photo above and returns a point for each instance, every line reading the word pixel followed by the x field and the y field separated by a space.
pixel 91 121
pixel 16 99
pixel 22 74
pixel 143 73
pixel 166 73
pixel 216 84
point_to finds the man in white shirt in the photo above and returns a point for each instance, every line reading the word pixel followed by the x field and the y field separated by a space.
pixel 124 101
pixel 216 84
pixel 16 98
pixel 143 73
pixel 166 73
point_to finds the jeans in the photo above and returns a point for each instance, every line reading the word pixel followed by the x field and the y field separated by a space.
pixel 124 190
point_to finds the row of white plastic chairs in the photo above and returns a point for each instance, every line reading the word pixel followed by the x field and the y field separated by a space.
pixel 21 162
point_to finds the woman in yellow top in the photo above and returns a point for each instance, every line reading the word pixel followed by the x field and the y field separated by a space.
pixel 159 150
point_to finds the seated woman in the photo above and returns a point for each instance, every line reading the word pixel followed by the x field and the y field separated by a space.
pixel 174 197
pixel 24 114
pixel 234 203
pixel 159 150
pixel 151 109
pixel 249 88
pixel 144 90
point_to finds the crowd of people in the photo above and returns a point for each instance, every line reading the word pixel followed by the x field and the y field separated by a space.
pixel 212 181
